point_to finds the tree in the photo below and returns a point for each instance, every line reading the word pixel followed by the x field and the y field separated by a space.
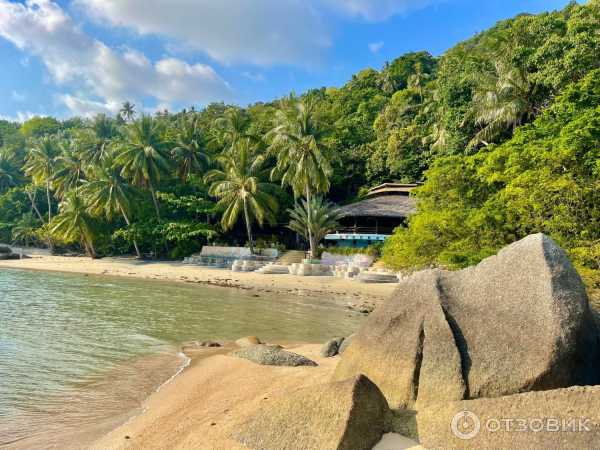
pixel 304 157
pixel 127 111
pixel 239 187
pixel 191 154
pixel 109 194
pixel 233 127
pixel 324 215
pixel 26 230
pixel 143 155
pixel 416 79
pixel 74 223
pixel 41 164
pixel 386 81
pixel 69 173
pixel 97 140
pixel 354 82
pixel 10 171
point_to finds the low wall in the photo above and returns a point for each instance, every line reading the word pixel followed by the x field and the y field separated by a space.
pixel 341 260
pixel 235 252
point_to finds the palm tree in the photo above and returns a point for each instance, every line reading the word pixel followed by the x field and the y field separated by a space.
pixel 41 164
pixel 190 153
pixel 74 223
pixel 324 215
pixel 354 82
pixel 304 157
pixel 10 171
pixel 143 155
pixel 238 187
pixel 386 81
pixel 416 79
pixel 99 137
pixel 69 173
pixel 109 194
pixel 25 230
pixel 127 111
pixel 232 127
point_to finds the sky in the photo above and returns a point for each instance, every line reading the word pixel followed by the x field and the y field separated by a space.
pixel 83 57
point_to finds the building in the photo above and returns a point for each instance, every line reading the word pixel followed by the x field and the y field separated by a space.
pixel 374 219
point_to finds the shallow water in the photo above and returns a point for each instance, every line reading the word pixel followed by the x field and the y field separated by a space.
pixel 78 355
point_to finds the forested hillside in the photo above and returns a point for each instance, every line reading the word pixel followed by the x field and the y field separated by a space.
pixel 501 127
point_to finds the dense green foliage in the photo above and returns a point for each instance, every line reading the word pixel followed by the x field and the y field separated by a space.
pixel 502 128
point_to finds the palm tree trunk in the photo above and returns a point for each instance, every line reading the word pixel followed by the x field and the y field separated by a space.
pixel 33 204
pixel 248 225
pixel 154 199
pixel 158 213
pixel 137 249
pixel 309 217
pixel 49 202
pixel 421 92
pixel 297 234
pixel 84 243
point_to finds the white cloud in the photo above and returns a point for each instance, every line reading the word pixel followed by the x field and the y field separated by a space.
pixel 43 29
pixel 375 46
pixel 260 32
pixel 377 10
pixel 256 78
pixel 19 97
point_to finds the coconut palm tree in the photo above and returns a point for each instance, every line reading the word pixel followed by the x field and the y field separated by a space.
pixel 143 155
pixel 238 187
pixel 232 127
pixel 109 194
pixel 304 156
pixel 98 138
pixel 416 79
pixel 25 230
pixel 191 153
pixel 127 111
pixel 385 80
pixel 69 173
pixel 10 171
pixel 74 223
pixel 41 164
pixel 354 82
pixel 324 215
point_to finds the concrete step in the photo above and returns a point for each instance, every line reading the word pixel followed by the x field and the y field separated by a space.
pixel 291 256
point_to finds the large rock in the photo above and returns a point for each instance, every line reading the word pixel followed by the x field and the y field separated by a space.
pixel 331 347
pixel 3 256
pixel 346 343
pixel 519 321
pixel 347 415
pixel 272 356
pixel 5 249
pixel 248 341
pixel 14 256
pixel 532 408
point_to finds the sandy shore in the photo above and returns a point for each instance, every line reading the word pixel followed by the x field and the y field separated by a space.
pixel 200 408
pixel 325 288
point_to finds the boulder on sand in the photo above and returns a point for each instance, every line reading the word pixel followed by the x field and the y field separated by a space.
pixel 347 415
pixel 545 420
pixel 346 343
pixel 331 347
pixel 248 341
pixel 266 355
pixel 14 256
pixel 519 321
pixel 5 249
pixel 3 256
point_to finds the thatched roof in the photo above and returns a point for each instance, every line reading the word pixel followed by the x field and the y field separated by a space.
pixel 393 188
pixel 397 206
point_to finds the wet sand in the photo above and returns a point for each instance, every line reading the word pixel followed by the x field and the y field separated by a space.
pixel 200 408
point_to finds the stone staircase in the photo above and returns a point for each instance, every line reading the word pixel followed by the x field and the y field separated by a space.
pixel 275 268
pixel 291 257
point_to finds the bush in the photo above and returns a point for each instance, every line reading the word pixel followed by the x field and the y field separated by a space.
pixel 281 248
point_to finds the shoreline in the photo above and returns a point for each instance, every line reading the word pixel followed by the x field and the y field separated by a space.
pixel 337 290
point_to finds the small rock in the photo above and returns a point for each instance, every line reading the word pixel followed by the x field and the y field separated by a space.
pixel 208 344
pixel 331 347
pixel 346 343
pixel 248 341
pixel 271 356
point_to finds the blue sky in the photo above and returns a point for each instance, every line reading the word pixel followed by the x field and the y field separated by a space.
pixel 81 57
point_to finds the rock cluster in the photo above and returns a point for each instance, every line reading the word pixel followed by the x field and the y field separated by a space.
pixel 519 321
pixel 6 253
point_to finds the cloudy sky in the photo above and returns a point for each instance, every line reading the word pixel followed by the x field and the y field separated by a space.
pixel 81 57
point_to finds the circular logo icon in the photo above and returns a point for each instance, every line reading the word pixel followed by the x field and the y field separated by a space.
pixel 465 425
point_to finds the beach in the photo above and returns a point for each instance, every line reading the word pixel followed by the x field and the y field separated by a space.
pixel 338 290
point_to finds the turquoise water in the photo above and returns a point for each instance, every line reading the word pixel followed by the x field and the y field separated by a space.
pixel 78 355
